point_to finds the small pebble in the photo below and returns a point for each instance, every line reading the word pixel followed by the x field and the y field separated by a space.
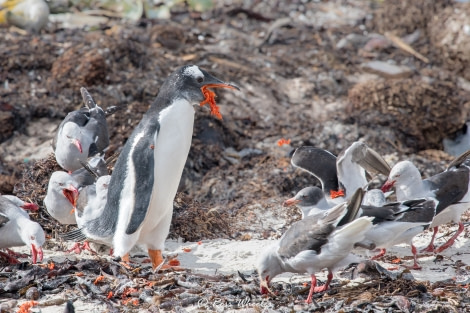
pixel 32 293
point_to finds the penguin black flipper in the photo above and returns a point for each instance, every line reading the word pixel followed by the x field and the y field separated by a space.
pixel 144 168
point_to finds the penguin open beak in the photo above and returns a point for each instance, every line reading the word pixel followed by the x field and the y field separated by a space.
pixel 71 193
pixel 209 96
pixel 30 206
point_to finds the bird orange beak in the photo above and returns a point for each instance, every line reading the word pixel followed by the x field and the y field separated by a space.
pixel 290 202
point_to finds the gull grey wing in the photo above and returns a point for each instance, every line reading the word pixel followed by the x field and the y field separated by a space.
pixel 3 219
pixel 310 233
pixel 320 163
pixel 449 186
pixel 459 160
pixel 303 235
pixel 97 124
pixel 370 160
pixel 353 207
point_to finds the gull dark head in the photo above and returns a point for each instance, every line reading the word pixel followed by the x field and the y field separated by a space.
pixel 307 197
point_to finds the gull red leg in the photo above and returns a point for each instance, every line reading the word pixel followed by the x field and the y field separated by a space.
pixel 86 246
pixel 326 285
pixel 381 254
pixel 451 241
pixel 312 288
pixel 430 247
pixel 415 265
pixel 77 248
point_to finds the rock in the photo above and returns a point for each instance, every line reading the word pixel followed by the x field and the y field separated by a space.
pixel 32 293
pixel 386 69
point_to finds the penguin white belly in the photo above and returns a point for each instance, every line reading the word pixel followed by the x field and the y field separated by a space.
pixel 172 144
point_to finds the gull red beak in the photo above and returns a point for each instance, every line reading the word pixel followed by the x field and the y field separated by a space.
pixel 77 144
pixel 35 252
pixel 30 206
pixel 388 185
pixel 71 193
pixel 289 202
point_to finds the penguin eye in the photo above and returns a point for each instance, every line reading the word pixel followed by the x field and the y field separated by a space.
pixel 200 79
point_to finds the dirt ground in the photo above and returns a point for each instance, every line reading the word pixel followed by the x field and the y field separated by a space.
pixel 301 68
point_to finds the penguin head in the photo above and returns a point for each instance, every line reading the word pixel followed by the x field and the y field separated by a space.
pixel 189 82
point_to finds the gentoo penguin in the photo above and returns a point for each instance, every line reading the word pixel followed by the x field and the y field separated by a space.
pixel 18 230
pixel 146 175
pixel 82 134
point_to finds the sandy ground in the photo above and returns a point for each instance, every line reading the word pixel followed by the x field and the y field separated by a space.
pixel 223 256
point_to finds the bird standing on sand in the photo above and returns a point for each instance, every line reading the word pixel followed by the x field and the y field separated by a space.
pixel 146 175
pixel 449 188
pixel 312 244
pixel 81 135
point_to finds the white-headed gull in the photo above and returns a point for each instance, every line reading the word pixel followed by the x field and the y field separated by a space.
pixel 18 230
pixel 311 245
pixel 82 134
pixel 448 188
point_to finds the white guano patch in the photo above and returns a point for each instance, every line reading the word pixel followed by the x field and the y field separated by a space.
pixel 193 71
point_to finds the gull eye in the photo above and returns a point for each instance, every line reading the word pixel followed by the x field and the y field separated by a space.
pixel 61 184
pixel 200 79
